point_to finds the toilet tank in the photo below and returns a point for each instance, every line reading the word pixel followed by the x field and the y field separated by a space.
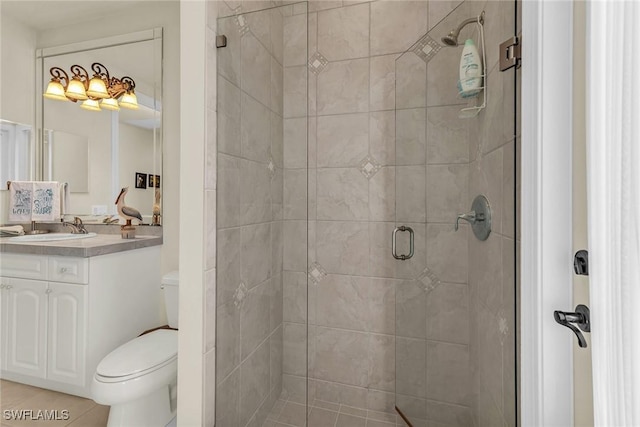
pixel 170 285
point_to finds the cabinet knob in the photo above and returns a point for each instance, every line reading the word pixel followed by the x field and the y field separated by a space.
pixel 64 270
pixel 48 291
pixel 2 286
pixel 9 286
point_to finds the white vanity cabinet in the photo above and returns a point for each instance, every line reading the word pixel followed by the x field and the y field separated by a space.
pixel 61 315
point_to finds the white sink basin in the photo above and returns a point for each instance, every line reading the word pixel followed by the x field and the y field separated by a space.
pixel 50 237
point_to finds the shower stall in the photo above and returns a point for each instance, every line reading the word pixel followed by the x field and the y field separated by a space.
pixel 346 294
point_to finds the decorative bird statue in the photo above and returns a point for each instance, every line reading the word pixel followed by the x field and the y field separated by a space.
pixel 128 213
pixel 156 209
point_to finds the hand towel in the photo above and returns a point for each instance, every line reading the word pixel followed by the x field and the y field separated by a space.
pixel 63 207
pixel 20 201
pixel 11 230
pixel 46 201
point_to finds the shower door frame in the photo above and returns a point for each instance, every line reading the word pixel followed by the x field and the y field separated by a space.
pixel 546 350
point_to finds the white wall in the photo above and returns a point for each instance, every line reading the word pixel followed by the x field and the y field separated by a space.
pixel 151 14
pixel 582 378
pixel 136 155
pixel 17 78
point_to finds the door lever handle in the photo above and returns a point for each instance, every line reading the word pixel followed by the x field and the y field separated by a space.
pixel 580 317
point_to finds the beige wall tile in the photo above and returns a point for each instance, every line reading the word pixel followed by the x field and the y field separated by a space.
pixel 295 143
pixel 395 26
pixel 295 297
pixel 410 84
pixel 295 92
pixel 343 247
pixel 448 373
pixel 343 140
pixel 340 355
pixel 254 319
pixel 411 355
pixel 295 194
pixel 447 135
pixel 343 33
pixel 382 94
pixel 448 192
pixel 382 137
pixel 255 132
pixel 343 87
pixel 382 195
pixel 382 362
pixel 256 69
pixel 295 40
pixel 295 246
pixel 410 193
pixel 343 194
pixel 448 253
pixel 411 136
pixel 228 125
pixel 294 359
pixel 447 311
pixel 228 344
pixel 228 194
pixel 254 382
pixel 411 316
pixel 227 399
pixel 256 254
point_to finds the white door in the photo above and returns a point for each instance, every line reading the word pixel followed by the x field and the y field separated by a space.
pixel 66 333
pixel 26 326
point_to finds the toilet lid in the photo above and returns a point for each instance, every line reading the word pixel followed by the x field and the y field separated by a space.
pixel 140 354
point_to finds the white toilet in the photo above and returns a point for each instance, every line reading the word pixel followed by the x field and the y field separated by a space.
pixel 138 379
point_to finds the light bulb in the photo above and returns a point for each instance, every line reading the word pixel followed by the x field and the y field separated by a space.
pixel 76 90
pixel 55 90
pixel 97 88
pixel 110 104
pixel 91 105
pixel 129 100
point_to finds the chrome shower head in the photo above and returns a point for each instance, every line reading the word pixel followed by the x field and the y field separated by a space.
pixel 452 38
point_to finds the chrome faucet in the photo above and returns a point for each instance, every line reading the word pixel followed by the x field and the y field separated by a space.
pixel 77 227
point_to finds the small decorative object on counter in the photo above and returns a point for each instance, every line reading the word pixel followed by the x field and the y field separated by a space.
pixel 128 231
pixel 156 210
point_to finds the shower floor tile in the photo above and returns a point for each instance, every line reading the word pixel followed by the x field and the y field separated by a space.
pixel 286 413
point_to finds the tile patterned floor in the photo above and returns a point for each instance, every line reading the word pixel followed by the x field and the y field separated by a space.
pixel 82 412
pixel 286 413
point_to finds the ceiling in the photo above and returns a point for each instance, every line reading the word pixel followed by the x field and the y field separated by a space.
pixel 47 14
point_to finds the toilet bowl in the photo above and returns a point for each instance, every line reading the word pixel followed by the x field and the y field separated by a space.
pixel 138 379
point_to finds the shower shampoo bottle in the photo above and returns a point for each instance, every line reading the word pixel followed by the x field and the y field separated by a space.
pixel 470 82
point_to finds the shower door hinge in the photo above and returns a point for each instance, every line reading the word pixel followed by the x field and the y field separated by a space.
pixel 221 41
pixel 510 53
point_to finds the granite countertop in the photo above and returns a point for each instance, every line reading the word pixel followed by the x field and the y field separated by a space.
pixel 101 244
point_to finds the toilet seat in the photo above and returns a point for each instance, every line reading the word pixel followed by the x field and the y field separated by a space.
pixel 139 357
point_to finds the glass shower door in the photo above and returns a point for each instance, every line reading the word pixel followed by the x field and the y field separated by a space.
pixel 455 303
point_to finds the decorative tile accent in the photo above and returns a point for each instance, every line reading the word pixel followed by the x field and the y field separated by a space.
pixel 242 23
pixel 503 327
pixel 426 48
pixel 429 280
pixel 240 294
pixel 317 63
pixel 316 273
pixel 271 166
pixel 369 167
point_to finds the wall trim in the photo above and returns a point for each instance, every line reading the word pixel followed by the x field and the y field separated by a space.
pixel 546 276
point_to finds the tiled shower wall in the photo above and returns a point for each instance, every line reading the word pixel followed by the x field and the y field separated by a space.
pixel 353 206
pixel 249 213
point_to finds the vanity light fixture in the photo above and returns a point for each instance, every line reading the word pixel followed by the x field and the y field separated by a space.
pixel 101 90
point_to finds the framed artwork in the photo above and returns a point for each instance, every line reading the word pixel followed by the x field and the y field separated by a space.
pixel 154 181
pixel 141 180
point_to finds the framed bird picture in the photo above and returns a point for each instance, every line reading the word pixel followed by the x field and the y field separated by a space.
pixel 141 180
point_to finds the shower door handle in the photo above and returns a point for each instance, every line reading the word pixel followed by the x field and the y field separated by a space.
pixel 403 257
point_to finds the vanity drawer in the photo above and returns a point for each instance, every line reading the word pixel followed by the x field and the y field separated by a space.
pixel 69 270
pixel 23 266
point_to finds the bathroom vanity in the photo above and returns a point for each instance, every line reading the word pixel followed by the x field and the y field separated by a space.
pixel 67 304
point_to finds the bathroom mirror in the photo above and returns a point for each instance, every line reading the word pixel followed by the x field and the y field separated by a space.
pixel 99 152
pixel 16 141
